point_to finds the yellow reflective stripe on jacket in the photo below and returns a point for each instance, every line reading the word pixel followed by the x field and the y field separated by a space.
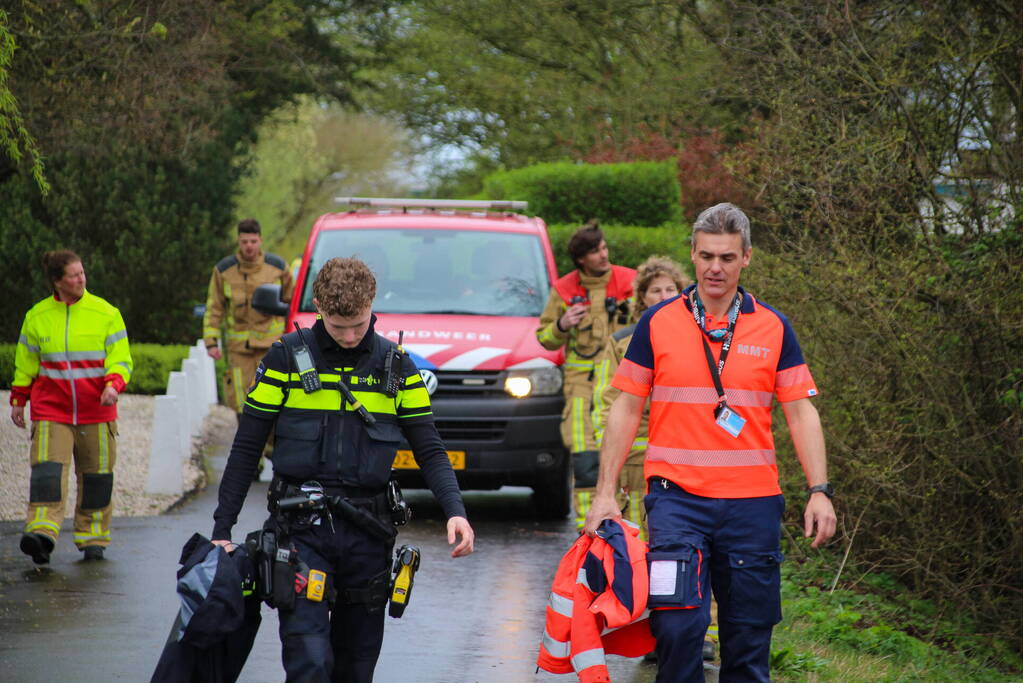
pixel 601 379
pixel 118 360
pixel 26 357
pixel 414 399
pixel 270 396
pixel 546 335
pixel 573 362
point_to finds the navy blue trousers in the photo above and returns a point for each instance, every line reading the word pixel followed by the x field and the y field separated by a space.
pixel 728 545
pixel 343 643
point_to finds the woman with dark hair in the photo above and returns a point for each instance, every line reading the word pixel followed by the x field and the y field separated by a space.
pixel 71 362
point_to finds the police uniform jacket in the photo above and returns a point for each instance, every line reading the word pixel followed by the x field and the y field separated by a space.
pixel 320 436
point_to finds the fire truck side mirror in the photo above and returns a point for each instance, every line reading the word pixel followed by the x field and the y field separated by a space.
pixel 267 299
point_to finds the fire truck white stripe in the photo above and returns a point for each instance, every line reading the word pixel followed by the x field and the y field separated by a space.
pixel 470 360
pixel 532 363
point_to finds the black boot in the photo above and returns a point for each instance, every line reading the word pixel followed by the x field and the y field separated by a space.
pixel 93 552
pixel 37 546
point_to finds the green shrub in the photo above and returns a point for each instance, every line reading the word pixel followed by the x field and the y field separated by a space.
pixel 153 364
pixel 628 245
pixel 6 365
pixel 643 193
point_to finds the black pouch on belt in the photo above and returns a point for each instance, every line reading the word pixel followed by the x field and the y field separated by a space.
pixel 285 566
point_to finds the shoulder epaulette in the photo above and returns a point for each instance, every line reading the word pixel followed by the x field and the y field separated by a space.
pixel 227 262
pixel 623 333
pixel 275 261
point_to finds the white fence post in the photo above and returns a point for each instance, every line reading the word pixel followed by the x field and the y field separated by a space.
pixel 209 370
pixel 165 471
pixel 177 385
pixel 197 405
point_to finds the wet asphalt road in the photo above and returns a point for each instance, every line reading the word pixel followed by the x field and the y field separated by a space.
pixel 477 618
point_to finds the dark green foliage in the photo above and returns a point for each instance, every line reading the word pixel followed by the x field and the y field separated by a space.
pixel 148 234
pixel 144 112
pixel 627 245
pixel 7 365
pixel 153 364
pixel 643 193
pixel 920 640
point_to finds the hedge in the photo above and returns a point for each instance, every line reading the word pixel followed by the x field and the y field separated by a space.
pixel 642 194
pixel 153 364
pixel 628 245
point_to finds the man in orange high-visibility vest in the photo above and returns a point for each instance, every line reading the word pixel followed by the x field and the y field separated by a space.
pixel 712 362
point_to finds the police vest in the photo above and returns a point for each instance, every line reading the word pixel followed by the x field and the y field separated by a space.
pixel 320 436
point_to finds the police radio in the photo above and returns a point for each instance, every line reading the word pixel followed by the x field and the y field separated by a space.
pixel 304 364
pixel 392 381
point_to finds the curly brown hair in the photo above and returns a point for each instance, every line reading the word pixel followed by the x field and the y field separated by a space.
pixel 345 287
pixel 650 270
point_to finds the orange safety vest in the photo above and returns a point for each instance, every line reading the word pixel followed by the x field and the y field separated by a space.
pixel 597 604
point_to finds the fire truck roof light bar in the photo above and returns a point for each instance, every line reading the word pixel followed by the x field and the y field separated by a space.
pixel 391 202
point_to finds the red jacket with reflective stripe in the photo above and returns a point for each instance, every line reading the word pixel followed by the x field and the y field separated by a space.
pixel 597 604
pixel 619 286
pixel 66 355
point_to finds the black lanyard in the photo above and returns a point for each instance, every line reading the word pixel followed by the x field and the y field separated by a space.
pixel 700 316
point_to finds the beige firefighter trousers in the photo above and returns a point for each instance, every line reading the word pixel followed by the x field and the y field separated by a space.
pixel 93 448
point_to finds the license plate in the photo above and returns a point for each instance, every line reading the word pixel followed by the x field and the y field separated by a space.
pixel 404 460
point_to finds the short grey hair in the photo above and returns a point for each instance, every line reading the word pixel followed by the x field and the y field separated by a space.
pixel 721 219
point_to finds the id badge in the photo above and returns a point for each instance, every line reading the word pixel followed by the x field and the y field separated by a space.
pixel 729 420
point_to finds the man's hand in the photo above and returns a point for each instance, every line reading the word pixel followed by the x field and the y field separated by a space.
pixel 602 507
pixel 228 546
pixel 820 512
pixel 214 352
pixel 458 528
pixel 108 397
pixel 18 416
pixel 572 316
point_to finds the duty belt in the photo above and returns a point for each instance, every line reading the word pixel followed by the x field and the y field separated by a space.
pixel 372 500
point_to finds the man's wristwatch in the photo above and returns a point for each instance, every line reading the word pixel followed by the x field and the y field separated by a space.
pixel 826 488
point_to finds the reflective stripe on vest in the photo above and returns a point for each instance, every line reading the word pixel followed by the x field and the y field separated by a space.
pixel 708 395
pixel 709 458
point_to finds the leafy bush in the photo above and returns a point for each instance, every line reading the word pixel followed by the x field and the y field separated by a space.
pixel 628 245
pixel 153 363
pixel 644 193
pixel 162 231
pixel 6 365
pixel 912 347
pixel 705 172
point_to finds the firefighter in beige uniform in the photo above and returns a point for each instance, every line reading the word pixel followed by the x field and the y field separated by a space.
pixel 584 308
pixel 247 332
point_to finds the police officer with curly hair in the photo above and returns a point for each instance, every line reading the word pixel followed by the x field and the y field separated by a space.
pixel 338 423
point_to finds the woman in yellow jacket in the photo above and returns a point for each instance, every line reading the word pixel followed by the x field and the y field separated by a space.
pixel 71 362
